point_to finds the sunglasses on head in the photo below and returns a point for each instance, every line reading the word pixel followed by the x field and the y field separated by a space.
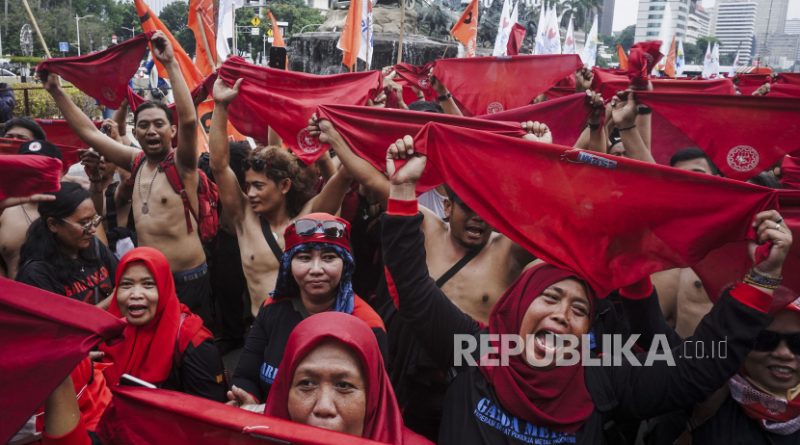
pixel 331 229
pixel 769 340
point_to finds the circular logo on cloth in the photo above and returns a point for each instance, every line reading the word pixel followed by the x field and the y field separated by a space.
pixel 742 158
pixel 424 83
pixel 307 142
pixel 109 94
pixel 34 146
pixel 494 107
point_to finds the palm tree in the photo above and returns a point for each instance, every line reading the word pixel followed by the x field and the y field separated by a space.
pixel 582 12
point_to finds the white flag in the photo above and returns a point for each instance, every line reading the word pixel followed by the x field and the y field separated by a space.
pixel 665 35
pixel 589 54
pixel 365 50
pixel 507 19
pixel 225 27
pixel 538 44
pixel 569 40
pixel 732 72
pixel 707 69
pixel 680 59
pixel 715 61
pixel 552 39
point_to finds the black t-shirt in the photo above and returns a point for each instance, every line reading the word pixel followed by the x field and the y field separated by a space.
pixel 80 285
pixel 199 373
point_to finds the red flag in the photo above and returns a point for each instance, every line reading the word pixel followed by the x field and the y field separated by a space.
pixel 727 265
pixel 565 116
pixel 485 85
pixel 350 40
pixel 285 100
pixel 669 65
pixel 642 59
pixel 622 57
pixel 727 128
pixel 69 154
pixel 612 221
pixel 159 416
pixel 201 22
pixel 103 75
pixel 369 131
pixel 466 28
pixel 608 83
pixel 151 23
pixel 515 39
pixel 42 336
pixel 25 175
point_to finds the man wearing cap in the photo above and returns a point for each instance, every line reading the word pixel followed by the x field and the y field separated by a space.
pixel 14 221
pixel 157 209
pixel 23 128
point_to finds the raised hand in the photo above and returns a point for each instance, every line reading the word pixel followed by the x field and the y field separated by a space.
pixel 51 83
pixel 223 94
pixel 322 129
pixel 770 226
pixel 537 131
pixel 623 110
pixel 162 48
pixel 583 79
pixel 408 174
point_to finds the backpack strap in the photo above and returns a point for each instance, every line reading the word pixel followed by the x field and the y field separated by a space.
pixel 273 243
pixel 702 413
pixel 174 179
pixel 456 267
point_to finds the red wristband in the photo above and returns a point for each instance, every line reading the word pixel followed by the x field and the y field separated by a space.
pixel 400 207
pixel 750 296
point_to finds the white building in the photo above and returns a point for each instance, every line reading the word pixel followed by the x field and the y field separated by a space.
pixel 698 24
pixel 770 20
pixel 792 26
pixel 735 26
pixel 651 14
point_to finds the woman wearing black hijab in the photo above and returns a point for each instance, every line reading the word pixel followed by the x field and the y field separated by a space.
pixel 61 253
pixel 514 394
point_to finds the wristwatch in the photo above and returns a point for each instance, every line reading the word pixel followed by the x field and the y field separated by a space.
pixel 444 97
pixel 643 109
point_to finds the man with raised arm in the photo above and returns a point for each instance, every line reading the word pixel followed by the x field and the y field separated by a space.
pixel 158 210
pixel 261 212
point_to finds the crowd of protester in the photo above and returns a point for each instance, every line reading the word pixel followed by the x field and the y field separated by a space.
pixel 344 293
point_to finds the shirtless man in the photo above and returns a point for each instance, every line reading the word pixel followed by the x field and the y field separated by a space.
pixel 268 203
pixel 157 209
pixel 499 261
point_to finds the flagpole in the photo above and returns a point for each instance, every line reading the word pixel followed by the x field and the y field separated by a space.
pixel 36 27
pixel 402 31
pixel 202 27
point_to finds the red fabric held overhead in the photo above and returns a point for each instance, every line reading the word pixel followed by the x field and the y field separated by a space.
pixel 790 172
pixel 417 76
pixel 43 336
pixel 59 132
pixel 565 116
pixel 612 221
pixel 784 90
pixel 285 100
pixel 25 175
pixel 486 85
pixel 158 416
pixel 609 83
pixel 748 83
pixel 103 75
pixel 728 128
pixel 69 155
pixel 642 58
pixel 369 131
pixel 790 78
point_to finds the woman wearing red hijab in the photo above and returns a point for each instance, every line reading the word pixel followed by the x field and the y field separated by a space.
pixel 165 344
pixel 529 399
pixel 332 376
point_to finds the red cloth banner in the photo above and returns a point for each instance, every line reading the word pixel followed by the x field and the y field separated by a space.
pixel 486 85
pixel 25 175
pixel 158 416
pixel 612 221
pixel 609 83
pixel 59 132
pixel 730 129
pixel 69 154
pixel 43 336
pixel 103 75
pixel 285 100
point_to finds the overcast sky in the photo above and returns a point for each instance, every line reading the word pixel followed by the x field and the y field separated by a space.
pixel 625 11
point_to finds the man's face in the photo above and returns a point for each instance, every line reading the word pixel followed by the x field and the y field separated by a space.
pixel 264 194
pixel 154 132
pixel 20 133
pixel 777 370
pixel 699 165
pixel 466 227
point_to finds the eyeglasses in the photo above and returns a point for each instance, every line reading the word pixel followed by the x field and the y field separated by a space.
pixel 331 229
pixel 769 340
pixel 96 221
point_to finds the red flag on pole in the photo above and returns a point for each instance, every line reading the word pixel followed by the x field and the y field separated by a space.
pixel 485 85
pixel 515 39
pixel 103 75
pixel 43 336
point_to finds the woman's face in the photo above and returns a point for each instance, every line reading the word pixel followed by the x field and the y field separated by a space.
pixel 778 370
pixel 317 273
pixel 137 294
pixel 328 390
pixel 70 231
pixel 562 309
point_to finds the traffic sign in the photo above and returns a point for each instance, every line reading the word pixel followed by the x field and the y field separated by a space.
pixel 63 47
pixel 255 31
pixel 256 21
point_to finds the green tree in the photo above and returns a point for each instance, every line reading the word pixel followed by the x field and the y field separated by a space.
pixel 625 38
pixel 175 17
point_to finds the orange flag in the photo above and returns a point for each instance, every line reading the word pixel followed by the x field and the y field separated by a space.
pixel 151 23
pixel 466 28
pixel 201 22
pixel 350 40
pixel 623 58
pixel 669 65
pixel 276 32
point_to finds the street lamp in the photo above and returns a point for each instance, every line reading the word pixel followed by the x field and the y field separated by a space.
pixel 78 28
pixel 132 30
